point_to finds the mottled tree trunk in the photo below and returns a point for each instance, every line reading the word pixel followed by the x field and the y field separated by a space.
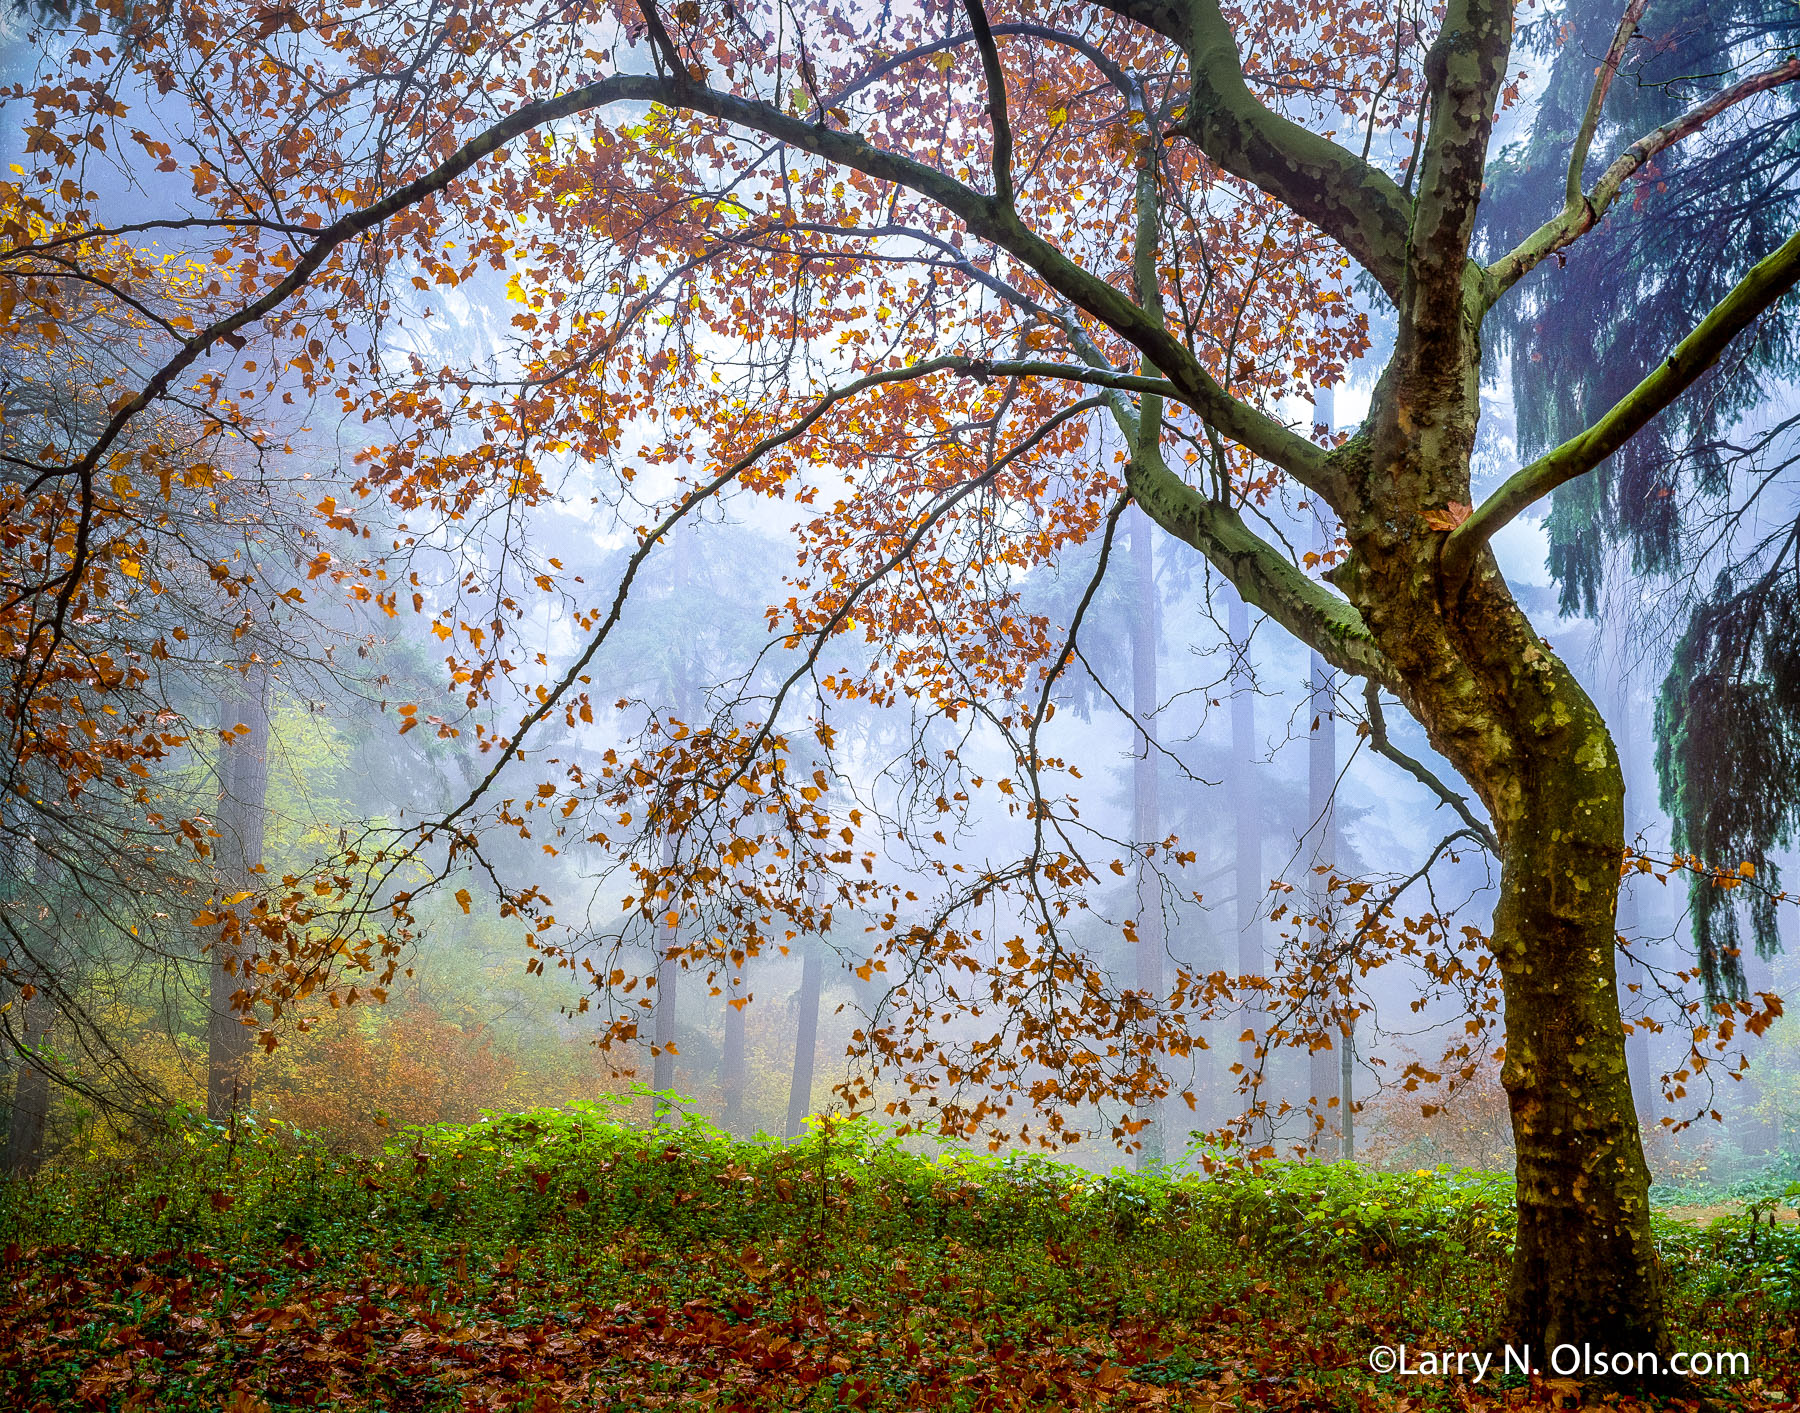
pixel 806 1041
pixel 1152 932
pixel 1512 719
pixel 243 795
pixel 1586 1267
pixel 1532 743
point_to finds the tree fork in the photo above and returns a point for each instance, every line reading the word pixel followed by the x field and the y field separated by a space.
pixel 1511 717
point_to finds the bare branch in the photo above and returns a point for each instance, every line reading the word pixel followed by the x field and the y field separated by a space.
pixel 1378 738
pixel 688 503
pixel 1603 77
pixel 1581 215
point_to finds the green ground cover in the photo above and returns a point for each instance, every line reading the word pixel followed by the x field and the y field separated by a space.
pixel 564 1261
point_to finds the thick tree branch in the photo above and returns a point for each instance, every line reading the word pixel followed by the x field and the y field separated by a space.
pixel 985 216
pixel 996 104
pixel 1351 201
pixel 1147 276
pixel 1767 282
pixel 1582 214
pixel 1465 68
pixel 1264 577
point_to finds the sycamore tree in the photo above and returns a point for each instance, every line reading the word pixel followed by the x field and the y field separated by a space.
pixel 943 288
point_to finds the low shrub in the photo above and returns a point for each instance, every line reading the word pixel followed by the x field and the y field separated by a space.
pixel 1342 1214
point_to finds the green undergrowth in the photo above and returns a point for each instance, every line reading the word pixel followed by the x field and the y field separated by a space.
pixel 564 1260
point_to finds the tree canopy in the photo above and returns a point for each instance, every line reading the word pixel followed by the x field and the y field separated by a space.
pixel 936 292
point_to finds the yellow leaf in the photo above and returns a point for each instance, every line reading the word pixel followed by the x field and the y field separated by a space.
pixel 463 899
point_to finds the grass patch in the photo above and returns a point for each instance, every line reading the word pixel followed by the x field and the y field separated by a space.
pixel 564 1261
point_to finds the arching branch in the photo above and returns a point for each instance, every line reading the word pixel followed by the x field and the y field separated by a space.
pixel 1581 214
pixel 1752 296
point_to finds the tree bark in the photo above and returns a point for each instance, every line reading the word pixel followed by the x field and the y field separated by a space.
pixel 243 796
pixel 806 1042
pixel 1152 932
pixel 1586 1267
pixel 1512 719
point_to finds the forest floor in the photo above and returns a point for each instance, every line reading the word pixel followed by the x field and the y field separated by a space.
pixel 559 1262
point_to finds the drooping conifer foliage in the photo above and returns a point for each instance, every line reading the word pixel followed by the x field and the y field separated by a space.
pixel 1704 496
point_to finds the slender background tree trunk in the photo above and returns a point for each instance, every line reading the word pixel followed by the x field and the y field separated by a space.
pixel 31 1090
pixel 1248 873
pixel 668 975
pixel 1325 1072
pixel 1623 724
pixel 33 1017
pixel 243 797
pixel 1152 931
pixel 806 1041
pixel 731 1056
